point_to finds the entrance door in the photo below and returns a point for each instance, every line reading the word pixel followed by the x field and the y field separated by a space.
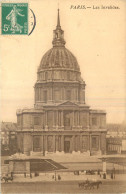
pixel 67 146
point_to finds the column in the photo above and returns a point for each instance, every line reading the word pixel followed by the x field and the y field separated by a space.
pixel 45 144
pixel 39 94
pixel 80 143
pixel 73 118
pixel 53 118
pixel 77 95
pixel 62 123
pixel 41 148
pixel 57 119
pixel 99 145
pixel 54 143
pixel 62 143
pixel 73 144
pixel 104 166
pixel 90 143
pixel 57 143
pixel 35 94
pixel 46 120
pixel 59 116
pixel 77 118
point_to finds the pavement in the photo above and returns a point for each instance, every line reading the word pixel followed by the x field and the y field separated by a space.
pixel 71 162
pixel 65 176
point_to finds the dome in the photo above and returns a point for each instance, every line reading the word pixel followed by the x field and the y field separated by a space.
pixel 59 57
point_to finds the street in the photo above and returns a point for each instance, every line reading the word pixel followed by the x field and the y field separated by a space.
pixel 62 187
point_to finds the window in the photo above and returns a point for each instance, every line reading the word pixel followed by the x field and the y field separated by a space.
pixel 94 142
pixel 84 142
pixel 68 75
pixel 50 144
pixel 94 121
pixel 46 75
pixel 36 120
pixel 13 137
pixel 68 95
pixel 45 96
pixel 56 95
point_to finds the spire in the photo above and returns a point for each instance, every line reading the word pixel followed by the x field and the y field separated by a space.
pixel 58 19
pixel 58 34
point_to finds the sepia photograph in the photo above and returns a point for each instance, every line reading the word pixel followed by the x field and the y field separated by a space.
pixel 63 96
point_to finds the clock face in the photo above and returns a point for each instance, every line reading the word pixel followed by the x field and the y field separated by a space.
pixel 32 21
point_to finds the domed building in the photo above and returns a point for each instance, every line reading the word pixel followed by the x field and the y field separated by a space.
pixel 60 121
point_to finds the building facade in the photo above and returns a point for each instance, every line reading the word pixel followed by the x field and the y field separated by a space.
pixel 60 121
pixel 8 138
pixel 116 139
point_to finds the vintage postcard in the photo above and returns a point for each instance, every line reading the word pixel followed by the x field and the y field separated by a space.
pixel 63 96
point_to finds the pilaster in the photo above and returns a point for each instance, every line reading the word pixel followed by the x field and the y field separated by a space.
pixel 73 144
pixel 46 143
pixel 62 143
pixel 54 143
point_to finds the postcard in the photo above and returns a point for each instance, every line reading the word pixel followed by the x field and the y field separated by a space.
pixel 63 96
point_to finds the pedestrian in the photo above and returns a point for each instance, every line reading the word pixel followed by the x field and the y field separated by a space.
pixel 98 172
pixel 59 177
pixel 111 175
pixel 31 175
pixel 25 174
pixel 53 177
pixel 104 176
pixel 11 174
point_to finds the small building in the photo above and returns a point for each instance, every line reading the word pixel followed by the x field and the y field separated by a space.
pixel 116 139
pixel 20 164
pixel 8 138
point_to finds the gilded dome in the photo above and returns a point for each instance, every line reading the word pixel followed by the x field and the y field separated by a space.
pixel 59 57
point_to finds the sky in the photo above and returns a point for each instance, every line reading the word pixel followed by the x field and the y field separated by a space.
pixel 95 36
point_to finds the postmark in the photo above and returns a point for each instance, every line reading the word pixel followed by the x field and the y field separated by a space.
pixel 14 18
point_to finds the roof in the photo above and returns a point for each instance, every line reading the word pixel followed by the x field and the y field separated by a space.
pixel 116 159
pixel 8 126
pixel 116 127
pixel 97 111
pixel 39 164
pixel 59 57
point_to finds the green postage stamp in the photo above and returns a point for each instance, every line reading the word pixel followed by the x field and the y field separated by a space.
pixel 14 18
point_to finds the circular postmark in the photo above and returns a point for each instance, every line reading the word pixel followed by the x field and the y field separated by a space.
pixel 32 22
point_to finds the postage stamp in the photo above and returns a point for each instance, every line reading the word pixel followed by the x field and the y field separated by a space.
pixel 14 18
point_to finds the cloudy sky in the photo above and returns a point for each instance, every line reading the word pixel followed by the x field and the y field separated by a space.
pixel 95 36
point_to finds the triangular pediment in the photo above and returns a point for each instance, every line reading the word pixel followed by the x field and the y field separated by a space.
pixel 68 103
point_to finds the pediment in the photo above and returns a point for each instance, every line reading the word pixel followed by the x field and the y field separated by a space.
pixel 68 103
